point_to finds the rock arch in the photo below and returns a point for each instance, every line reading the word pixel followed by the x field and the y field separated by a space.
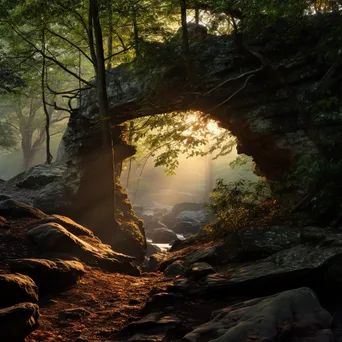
pixel 264 115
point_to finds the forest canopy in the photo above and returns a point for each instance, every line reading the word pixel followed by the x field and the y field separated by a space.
pixel 51 50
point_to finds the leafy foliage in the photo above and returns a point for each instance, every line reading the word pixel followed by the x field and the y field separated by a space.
pixel 165 137
pixel 239 205
pixel 321 182
pixel 7 137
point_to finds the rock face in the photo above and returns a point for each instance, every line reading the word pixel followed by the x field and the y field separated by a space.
pixel 54 238
pixel 70 225
pixel 175 269
pixel 17 322
pixel 295 313
pixel 17 288
pixel 11 208
pixel 262 261
pixel 50 276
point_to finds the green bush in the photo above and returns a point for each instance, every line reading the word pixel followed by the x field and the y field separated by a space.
pixel 239 205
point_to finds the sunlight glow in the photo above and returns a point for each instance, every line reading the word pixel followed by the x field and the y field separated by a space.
pixel 209 125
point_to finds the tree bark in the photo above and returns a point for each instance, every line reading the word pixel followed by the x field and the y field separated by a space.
pixel 136 32
pixel 47 116
pixel 197 13
pixel 185 34
pixel 107 151
pixel 110 37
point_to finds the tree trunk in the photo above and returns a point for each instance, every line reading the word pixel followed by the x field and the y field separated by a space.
pixel 47 115
pixel 197 13
pixel 208 176
pixel 26 147
pixel 106 155
pixel 185 34
pixel 110 37
pixel 130 139
pixel 136 32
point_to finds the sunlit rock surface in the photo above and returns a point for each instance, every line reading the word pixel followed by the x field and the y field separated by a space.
pixel 54 239
pixel 274 318
pixel 49 275
pixel 17 288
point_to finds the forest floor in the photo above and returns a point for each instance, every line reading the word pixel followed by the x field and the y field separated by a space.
pixel 104 302
pixel 111 302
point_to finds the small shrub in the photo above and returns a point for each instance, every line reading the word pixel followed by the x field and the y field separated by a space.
pixel 239 205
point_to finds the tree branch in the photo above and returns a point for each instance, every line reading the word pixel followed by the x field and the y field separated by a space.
pixel 234 94
pixel 62 66
pixel 71 43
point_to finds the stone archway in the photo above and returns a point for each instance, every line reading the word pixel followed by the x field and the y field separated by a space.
pixel 263 115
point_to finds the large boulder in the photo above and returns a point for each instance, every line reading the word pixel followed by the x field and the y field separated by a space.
pixel 17 322
pixel 249 245
pixel 163 235
pixel 70 225
pixel 39 176
pixel 17 288
pixel 175 269
pixel 294 315
pixel 49 275
pixel 154 262
pixel 258 242
pixel 170 218
pixel 292 267
pixel 199 270
pixel 15 209
pixel 52 238
pixel 54 197
pixel 131 240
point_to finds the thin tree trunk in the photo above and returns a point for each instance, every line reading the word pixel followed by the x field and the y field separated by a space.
pixel 26 147
pixel 136 32
pixel 47 115
pixel 130 139
pixel 197 14
pixel 185 34
pixel 107 141
pixel 110 37
pixel 100 74
pixel 208 175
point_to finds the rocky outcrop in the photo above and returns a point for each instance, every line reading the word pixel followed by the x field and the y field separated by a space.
pixel 53 239
pixel 288 259
pixel 49 275
pixel 17 322
pixel 15 209
pixel 17 288
pixel 70 225
pixel 287 316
